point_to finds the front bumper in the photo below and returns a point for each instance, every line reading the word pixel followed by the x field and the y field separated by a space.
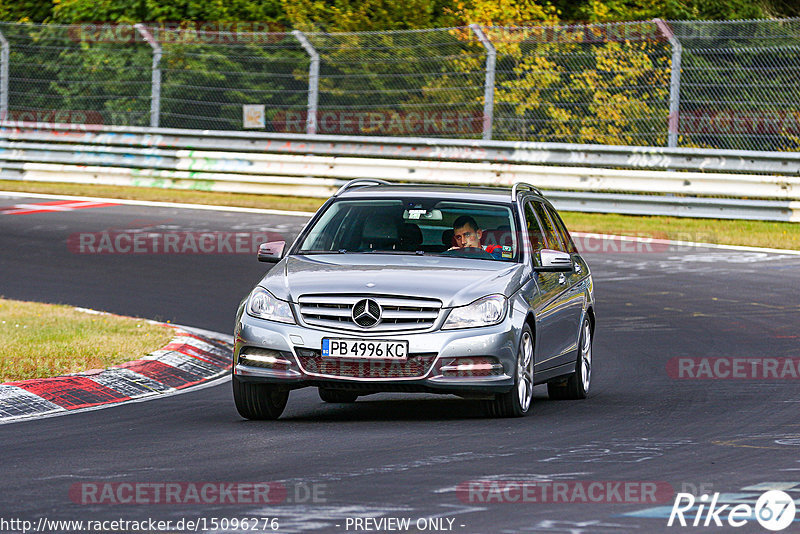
pixel 292 359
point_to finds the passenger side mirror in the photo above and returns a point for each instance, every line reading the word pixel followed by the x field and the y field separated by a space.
pixel 271 252
pixel 554 261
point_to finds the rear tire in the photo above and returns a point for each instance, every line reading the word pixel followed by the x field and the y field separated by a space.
pixel 337 395
pixel 259 401
pixel 518 401
pixel 576 386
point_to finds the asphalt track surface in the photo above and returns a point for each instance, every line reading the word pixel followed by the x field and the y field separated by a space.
pixel 403 456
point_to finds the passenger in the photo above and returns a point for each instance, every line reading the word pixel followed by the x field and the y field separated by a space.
pixel 467 234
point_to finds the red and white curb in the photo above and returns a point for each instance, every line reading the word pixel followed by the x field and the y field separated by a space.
pixel 191 358
pixel 55 207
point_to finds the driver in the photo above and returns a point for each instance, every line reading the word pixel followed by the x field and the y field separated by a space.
pixel 467 234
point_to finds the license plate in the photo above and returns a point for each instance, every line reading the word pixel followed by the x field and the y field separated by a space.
pixel 364 349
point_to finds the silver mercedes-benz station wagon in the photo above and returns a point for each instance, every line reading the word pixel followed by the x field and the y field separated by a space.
pixel 477 292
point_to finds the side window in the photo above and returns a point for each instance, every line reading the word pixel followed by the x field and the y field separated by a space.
pixel 553 240
pixel 562 229
pixel 535 234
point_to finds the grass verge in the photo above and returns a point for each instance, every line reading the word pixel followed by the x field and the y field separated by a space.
pixel 720 231
pixel 43 340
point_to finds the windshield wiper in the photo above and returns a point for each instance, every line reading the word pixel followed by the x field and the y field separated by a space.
pixel 369 251
pixel 400 252
pixel 340 251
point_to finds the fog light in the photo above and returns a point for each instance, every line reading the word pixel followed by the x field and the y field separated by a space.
pixel 258 357
pixel 471 366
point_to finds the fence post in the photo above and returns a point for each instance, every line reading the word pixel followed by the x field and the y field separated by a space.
pixel 674 83
pixel 155 84
pixel 313 81
pixel 4 59
pixel 488 89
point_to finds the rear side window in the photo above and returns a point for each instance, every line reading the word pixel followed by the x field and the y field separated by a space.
pixel 562 229
pixel 553 240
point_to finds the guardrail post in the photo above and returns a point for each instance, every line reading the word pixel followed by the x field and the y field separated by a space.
pixel 674 82
pixel 4 59
pixel 488 89
pixel 155 84
pixel 313 81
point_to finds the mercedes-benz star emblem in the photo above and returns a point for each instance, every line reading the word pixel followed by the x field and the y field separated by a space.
pixel 366 313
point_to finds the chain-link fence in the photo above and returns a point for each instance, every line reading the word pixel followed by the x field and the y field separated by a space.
pixel 740 84
pixel 736 85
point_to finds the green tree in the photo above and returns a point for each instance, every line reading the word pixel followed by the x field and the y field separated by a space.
pixel 628 10
pixel 363 15
pixel 25 10
pixel 121 11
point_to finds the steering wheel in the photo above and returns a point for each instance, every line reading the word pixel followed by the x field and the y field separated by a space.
pixel 468 252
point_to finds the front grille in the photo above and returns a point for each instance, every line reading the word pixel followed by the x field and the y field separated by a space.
pixel 416 366
pixel 396 313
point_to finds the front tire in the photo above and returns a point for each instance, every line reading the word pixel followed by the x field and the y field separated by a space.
pixel 259 401
pixel 517 402
pixel 576 386
pixel 337 395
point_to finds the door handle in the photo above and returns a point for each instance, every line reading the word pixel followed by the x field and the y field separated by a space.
pixel 562 279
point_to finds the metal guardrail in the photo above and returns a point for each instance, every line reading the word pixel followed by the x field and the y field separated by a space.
pixel 317 165
pixel 210 166
pixel 706 208
pixel 580 155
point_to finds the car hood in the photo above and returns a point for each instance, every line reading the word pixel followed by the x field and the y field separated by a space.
pixel 454 281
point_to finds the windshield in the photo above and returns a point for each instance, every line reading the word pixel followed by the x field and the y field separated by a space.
pixel 415 226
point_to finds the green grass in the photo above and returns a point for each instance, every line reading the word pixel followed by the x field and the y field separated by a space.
pixel 721 231
pixel 43 340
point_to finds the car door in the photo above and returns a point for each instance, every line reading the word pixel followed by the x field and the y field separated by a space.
pixel 574 298
pixel 557 320
pixel 544 303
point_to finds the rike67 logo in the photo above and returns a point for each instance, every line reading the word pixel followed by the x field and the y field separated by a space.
pixel 774 510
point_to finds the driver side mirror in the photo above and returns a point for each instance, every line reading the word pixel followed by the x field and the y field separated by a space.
pixel 271 252
pixel 554 261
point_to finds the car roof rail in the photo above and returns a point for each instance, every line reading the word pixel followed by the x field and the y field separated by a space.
pixel 360 182
pixel 518 185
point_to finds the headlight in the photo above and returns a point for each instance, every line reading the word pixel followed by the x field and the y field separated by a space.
pixel 261 303
pixel 485 311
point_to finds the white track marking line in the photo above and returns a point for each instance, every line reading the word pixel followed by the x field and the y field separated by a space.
pixel 179 205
